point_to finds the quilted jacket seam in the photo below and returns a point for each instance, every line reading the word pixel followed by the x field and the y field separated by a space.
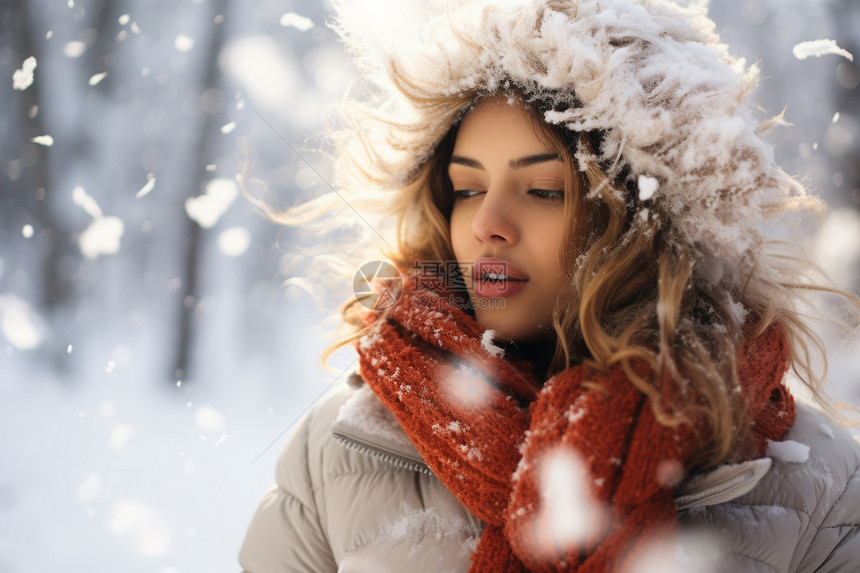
pixel 340 475
pixel 786 507
pixel 817 526
pixel 751 558
pixel 375 540
pixel 851 477
pixel 318 514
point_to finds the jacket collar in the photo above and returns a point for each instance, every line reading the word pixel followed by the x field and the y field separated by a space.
pixel 364 424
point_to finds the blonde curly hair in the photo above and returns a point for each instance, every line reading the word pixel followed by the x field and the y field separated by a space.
pixel 646 91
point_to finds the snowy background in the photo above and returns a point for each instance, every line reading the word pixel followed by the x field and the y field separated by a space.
pixel 151 358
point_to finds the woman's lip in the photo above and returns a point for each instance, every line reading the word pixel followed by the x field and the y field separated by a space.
pixel 510 286
pixel 484 265
pixel 498 289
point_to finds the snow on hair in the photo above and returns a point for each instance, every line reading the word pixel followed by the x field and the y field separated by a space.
pixel 677 182
pixel 651 76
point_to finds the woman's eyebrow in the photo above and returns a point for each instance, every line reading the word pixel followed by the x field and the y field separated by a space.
pixel 532 159
pixel 513 163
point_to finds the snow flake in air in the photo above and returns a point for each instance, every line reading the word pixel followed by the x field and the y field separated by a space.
pixel 103 235
pixel 819 48
pixel 228 128
pixel 208 208
pixel 23 78
pixel 837 246
pixel 235 241
pixel 465 384
pixel 298 22
pixel 45 140
pixel 20 325
pixel 74 49
pixel 209 418
pixel 567 510
pixel 150 185
pixel 120 435
pixel 150 532
pixel 95 79
pixel 183 43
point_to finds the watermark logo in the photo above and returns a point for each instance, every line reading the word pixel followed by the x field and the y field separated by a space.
pixel 439 275
pixel 377 284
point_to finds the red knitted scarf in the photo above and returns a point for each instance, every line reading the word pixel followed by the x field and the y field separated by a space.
pixel 512 449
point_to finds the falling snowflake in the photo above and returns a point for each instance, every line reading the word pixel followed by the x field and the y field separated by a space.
pixel 183 43
pixel 74 49
pixel 296 21
pixel 23 78
pixel 208 208
pixel 234 242
pixel 103 235
pixel 95 79
pixel 819 48
pixel 150 185
pixel 45 140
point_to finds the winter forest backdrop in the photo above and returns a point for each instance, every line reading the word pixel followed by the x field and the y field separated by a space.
pixel 152 358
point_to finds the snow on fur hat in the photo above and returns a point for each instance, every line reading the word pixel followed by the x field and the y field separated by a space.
pixel 650 76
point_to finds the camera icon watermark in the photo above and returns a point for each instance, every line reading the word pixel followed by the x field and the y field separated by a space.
pixel 377 285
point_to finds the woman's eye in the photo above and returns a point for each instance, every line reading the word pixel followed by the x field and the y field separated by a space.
pixel 464 193
pixel 547 194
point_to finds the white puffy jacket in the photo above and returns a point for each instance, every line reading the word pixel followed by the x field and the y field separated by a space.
pixel 354 496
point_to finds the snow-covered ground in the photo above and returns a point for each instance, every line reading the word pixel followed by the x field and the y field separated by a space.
pixel 111 459
pixel 115 473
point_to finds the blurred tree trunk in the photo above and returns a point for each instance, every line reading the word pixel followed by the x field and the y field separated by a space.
pixel 204 150
pixel 847 20
pixel 23 169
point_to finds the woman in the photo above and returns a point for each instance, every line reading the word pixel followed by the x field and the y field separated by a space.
pixel 600 372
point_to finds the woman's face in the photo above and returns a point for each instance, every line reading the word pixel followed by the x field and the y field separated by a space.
pixel 508 219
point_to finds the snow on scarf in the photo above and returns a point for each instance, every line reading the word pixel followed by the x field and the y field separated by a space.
pixel 501 441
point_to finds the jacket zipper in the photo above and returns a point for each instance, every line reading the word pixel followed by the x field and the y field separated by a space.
pixel 382 455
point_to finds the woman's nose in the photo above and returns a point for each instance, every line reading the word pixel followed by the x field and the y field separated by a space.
pixel 495 220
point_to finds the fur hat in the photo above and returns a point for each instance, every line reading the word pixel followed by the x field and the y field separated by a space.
pixel 677 130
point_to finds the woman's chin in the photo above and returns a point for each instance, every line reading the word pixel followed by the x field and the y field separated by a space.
pixel 513 331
